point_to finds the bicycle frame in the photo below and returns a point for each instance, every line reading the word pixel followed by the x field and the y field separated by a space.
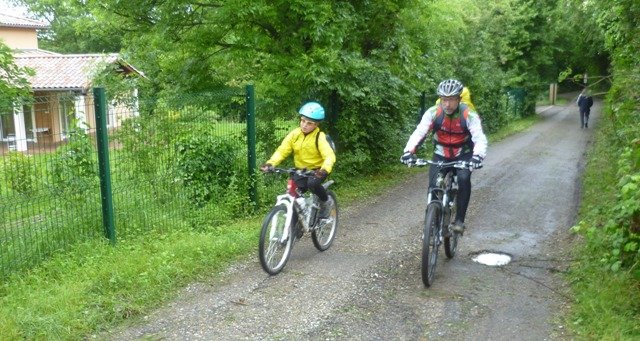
pixel 288 199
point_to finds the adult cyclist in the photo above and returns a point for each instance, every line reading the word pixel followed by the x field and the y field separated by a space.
pixel 457 135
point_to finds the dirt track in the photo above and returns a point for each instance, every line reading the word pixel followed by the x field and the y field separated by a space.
pixel 368 286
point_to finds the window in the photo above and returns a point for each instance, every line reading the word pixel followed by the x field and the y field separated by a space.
pixel 67 113
pixel 29 121
pixel 7 125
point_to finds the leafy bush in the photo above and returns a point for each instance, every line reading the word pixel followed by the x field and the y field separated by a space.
pixel 74 167
pixel 145 156
pixel 205 165
pixel 20 173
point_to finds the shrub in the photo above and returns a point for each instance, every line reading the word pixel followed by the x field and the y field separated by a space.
pixel 73 166
pixel 205 163
pixel 19 173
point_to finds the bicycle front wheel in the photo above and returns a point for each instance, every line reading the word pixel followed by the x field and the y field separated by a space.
pixel 325 231
pixel 275 245
pixel 430 242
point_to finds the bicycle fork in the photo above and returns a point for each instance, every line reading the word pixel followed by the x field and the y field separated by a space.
pixel 287 201
pixel 445 219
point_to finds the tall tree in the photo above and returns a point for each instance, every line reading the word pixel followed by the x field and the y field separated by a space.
pixel 74 27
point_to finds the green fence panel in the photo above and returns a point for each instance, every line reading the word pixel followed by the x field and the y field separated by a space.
pixel 49 188
pixel 176 163
pixel 173 164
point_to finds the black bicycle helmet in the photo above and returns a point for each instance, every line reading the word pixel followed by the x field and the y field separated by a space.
pixel 450 87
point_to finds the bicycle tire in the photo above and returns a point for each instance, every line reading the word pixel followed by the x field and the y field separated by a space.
pixel 430 242
pixel 274 252
pixel 325 231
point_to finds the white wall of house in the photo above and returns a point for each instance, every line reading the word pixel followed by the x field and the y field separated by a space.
pixel 20 129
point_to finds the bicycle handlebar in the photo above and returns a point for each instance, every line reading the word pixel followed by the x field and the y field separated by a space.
pixel 440 164
pixel 291 171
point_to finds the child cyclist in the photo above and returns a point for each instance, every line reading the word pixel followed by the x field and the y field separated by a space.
pixel 311 151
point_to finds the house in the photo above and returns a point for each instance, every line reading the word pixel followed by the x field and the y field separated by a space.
pixel 61 87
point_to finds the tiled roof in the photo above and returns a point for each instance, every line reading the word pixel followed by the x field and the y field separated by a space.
pixel 7 20
pixel 34 52
pixel 65 72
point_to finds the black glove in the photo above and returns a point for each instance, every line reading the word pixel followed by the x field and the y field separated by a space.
pixel 267 167
pixel 476 161
pixel 321 174
pixel 408 158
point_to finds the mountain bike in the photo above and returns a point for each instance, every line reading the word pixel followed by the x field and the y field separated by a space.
pixel 441 206
pixel 293 214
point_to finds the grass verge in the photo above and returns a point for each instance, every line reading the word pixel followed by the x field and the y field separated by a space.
pixel 607 303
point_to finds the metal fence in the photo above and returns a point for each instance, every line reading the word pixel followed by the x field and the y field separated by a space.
pixel 76 166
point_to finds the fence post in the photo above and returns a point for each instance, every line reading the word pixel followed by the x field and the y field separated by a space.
pixel 251 141
pixel 102 135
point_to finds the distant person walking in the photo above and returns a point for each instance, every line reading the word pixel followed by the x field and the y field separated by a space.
pixel 585 101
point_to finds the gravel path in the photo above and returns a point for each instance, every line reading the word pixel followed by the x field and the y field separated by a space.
pixel 367 286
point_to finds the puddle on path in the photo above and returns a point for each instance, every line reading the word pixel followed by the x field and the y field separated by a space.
pixel 491 258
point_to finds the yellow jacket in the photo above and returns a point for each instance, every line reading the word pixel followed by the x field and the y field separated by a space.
pixel 305 152
pixel 465 98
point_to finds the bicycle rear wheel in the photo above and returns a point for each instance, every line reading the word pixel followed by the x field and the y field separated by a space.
pixel 274 248
pixel 325 230
pixel 430 242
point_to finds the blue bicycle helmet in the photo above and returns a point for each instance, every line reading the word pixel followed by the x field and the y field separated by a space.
pixel 313 111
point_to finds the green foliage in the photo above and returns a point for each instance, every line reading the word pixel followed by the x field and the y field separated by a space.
pixel 120 87
pixel 622 225
pixel 367 62
pixel 270 133
pixel 13 81
pixel 607 282
pixel 73 166
pixel 76 27
pixel 145 142
pixel 19 173
pixel 206 165
pixel 621 230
